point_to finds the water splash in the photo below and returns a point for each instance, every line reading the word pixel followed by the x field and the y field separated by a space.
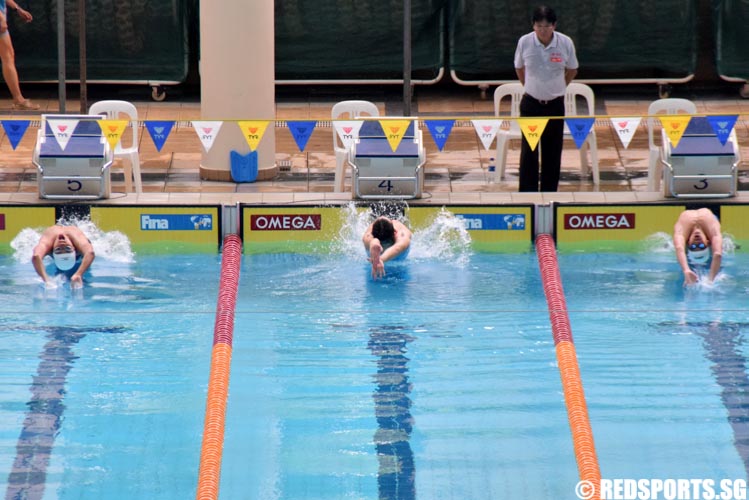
pixel 444 238
pixel 113 246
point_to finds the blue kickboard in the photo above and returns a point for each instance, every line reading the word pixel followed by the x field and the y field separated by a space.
pixel 243 167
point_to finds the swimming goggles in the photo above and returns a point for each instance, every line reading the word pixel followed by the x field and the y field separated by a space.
pixel 697 246
pixel 63 249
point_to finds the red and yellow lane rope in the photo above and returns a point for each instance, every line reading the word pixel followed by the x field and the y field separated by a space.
pixel 211 452
pixel 569 370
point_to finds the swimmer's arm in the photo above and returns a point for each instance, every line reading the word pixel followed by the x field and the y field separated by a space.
pixel 680 245
pixel 680 242
pixel 37 259
pixel 86 261
pixel 400 246
pixel 367 238
pixel 86 249
pixel 716 245
pixel 41 250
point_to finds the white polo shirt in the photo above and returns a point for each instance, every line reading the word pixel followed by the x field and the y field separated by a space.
pixel 545 66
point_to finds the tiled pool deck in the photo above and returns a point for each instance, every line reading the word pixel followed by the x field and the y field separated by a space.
pixel 457 175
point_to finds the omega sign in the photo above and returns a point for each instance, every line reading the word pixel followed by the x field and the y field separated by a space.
pixel 599 221
pixel 295 222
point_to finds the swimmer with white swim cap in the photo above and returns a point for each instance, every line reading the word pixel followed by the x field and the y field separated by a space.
pixel 697 242
pixel 68 247
pixel 385 239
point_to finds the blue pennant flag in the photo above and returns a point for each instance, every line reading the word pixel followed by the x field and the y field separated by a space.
pixel 15 129
pixel 301 131
pixel 579 128
pixel 722 126
pixel 159 131
pixel 440 130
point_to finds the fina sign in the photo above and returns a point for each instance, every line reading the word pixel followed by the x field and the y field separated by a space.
pixel 294 222
pixel 599 221
pixel 176 222
pixel 493 222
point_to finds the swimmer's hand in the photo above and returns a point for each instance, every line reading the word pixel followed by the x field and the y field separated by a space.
pixel 49 284
pixel 690 277
pixel 378 267
pixel 76 281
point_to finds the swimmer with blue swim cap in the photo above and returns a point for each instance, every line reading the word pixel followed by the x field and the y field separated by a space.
pixel 385 239
pixel 68 247
pixel 698 242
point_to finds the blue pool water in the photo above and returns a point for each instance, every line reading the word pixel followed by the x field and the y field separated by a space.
pixel 103 389
pixel 438 382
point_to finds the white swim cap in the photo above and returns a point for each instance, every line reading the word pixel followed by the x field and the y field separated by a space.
pixel 699 256
pixel 64 260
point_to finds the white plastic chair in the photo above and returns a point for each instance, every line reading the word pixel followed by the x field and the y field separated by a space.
pixel 350 110
pixel 113 110
pixel 670 106
pixel 513 91
pixel 574 90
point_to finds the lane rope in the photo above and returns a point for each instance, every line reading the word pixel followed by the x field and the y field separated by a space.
pixel 211 452
pixel 569 370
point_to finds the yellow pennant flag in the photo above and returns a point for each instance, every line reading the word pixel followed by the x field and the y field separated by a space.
pixel 532 129
pixel 253 131
pixel 674 125
pixel 112 130
pixel 394 131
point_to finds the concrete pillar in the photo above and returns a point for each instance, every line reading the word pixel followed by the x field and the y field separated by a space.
pixel 237 80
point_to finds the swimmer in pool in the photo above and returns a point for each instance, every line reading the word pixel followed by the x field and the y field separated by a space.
pixel 68 247
pixel 697 241
pixel 385 240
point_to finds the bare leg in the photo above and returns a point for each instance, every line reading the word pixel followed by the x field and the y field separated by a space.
pixel 10 74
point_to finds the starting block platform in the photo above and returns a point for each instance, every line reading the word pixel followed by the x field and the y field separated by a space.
pixel 380 173
pixel 80 170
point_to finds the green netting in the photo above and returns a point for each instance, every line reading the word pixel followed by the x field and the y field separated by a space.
pixel 631 39
pixel 345 39
pixel 125 41
pixel 732 38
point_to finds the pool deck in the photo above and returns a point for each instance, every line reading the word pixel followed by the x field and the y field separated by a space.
pixel 457 175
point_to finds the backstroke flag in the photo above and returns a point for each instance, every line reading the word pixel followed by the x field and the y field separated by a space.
pixel 440 131
pixel 487 131
pixel 207 132
pixel 62 130
pixel 674 126
pixel 15 130
pixel 348 131
pixel 722 125
pixel 301 131
pixel 579 129
pixel 159 131
pixel 625 128
pixel 112 130
pixel 253 131
pixel 532 129
pixel 394 131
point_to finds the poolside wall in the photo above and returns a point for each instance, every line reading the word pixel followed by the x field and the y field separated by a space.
pixel 314 228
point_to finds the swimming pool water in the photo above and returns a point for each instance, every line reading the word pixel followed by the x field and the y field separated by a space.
pixel 438 382
pixel 112 377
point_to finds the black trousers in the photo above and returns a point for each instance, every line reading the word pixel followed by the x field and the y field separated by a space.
pixel 550 144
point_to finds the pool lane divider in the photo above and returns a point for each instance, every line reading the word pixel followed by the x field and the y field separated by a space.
pixel 569 370
pixel 211 452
